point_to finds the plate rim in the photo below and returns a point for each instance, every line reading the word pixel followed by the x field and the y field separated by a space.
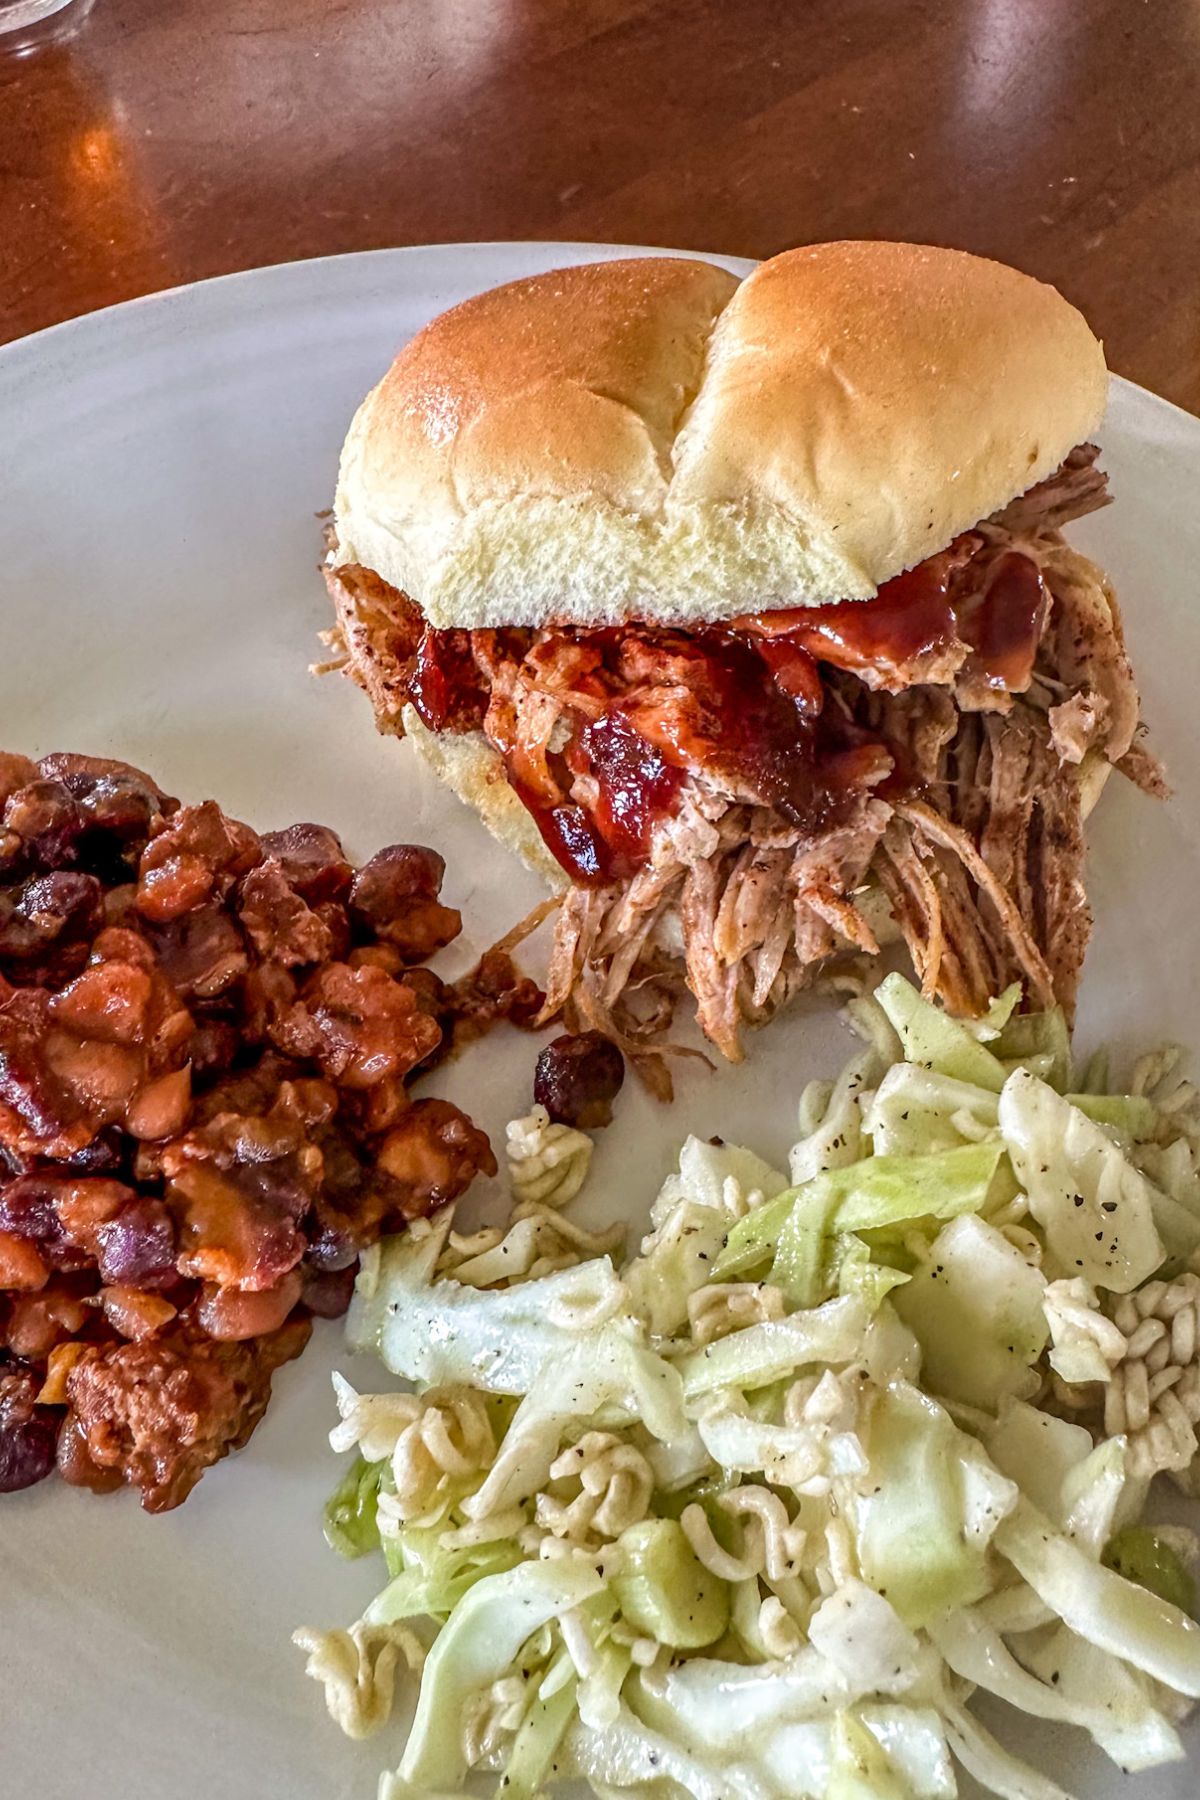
pixel 49 336
pixel 379 252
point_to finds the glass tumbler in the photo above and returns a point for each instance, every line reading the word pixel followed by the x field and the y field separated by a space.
pixel 27 24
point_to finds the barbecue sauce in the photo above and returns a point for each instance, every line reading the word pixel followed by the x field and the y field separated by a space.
pixel 445 686
pixel 1004 625
pixel 910 620
pixel 745 703
pixel 918 618
pixel 637 785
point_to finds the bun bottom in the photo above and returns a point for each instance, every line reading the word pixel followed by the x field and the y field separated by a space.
pixel 469 765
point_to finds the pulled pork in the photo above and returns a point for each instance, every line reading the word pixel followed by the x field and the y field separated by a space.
pixel 729 798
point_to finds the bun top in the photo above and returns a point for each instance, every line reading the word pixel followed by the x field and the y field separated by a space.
pixel 648 439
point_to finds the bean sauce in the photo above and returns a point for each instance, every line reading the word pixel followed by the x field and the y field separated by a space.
pixel 205 1043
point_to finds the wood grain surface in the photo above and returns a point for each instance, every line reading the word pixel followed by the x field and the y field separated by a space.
pixel 176 139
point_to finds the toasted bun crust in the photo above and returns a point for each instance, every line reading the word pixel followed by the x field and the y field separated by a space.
pixel 647 439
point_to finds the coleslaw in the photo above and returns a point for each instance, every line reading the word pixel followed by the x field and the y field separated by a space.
pixel 757 1511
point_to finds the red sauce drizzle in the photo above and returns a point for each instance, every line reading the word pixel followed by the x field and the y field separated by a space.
pixel 1004 625
pixel 572 839
pixel 445 686
pixel 638 786
pixel 744 702
pixel 740 722
pixel 910 619
pixel 917 618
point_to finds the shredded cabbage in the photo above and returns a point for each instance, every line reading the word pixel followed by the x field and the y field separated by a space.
pixel 754 1515
pixel 1096 1209
pixel 1114 1614
pixel 477 1645
pixel 498 1339
pixel 975 1307
pixel 878 1193
pixel 351 1523
pixel 926 1513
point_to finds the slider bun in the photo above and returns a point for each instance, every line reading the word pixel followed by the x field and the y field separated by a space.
pixel 650 439
pixel 468 765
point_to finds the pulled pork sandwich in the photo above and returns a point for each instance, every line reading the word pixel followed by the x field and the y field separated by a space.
pixel 743 612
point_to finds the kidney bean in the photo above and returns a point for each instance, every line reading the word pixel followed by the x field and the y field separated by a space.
pixel 328 1294
pixel 47 817
pixel 330 1250
pixel 122 807
pixel 395 897
pixel 137 1245
pixel 312 859
pixel 577 1078
pixel 49 908
pixel 84 774
pixel 202 954
pixel 28 1433
pixel 27 1208
pixel 106 1154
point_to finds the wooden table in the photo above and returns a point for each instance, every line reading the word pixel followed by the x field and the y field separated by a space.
pixel 171 141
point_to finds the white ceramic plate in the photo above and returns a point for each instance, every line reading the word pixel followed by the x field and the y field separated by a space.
pixel 162 465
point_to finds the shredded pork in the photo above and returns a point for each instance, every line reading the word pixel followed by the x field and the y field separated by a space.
pixel 969 819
